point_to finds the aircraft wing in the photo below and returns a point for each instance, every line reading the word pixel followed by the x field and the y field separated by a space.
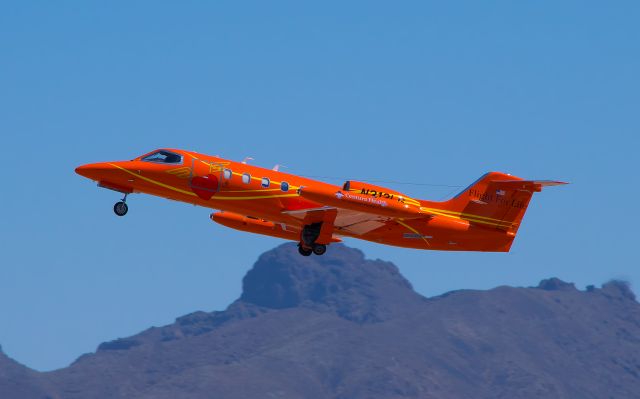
pixel 346 220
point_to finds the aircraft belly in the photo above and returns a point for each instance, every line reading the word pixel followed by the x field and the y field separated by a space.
pixel 421 234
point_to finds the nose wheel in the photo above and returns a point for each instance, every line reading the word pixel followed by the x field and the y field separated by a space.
pixel 121 208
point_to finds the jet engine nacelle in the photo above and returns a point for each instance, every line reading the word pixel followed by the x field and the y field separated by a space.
pixel 255 225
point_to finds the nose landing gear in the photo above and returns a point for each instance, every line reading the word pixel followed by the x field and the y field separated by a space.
pixel 121 208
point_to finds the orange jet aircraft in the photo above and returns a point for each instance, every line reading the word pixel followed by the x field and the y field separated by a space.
pixel 483 217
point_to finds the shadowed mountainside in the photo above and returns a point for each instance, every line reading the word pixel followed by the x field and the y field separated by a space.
pixel 342 326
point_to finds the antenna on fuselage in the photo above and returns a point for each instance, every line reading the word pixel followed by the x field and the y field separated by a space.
pixel 244 161
pixel 277 167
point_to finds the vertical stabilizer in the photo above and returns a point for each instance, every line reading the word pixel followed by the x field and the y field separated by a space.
pixel 495 200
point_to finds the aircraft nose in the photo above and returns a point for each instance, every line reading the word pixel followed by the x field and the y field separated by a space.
pixel 91 170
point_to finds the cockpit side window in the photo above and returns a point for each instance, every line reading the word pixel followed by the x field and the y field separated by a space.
pixel 163 156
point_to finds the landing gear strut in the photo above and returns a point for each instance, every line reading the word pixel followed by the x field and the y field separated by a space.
pixel 121 208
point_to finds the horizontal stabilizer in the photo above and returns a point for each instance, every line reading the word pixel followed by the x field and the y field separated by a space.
pixel 530 185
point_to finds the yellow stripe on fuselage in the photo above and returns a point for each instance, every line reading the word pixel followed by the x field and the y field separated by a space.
pixel 217 197
pixel 400 222
pixel 291 186
pixel 441 212
pixel 454 213
pixel 154 181
pixel 470 218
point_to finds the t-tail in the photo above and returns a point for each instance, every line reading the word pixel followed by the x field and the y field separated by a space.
pixel 496 200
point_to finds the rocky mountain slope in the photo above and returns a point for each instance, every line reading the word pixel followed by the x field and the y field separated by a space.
pixel 342 326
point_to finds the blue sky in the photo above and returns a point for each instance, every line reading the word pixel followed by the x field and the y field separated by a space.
pixel 434 93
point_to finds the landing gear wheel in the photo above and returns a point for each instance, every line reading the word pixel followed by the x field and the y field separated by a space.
pixel 319 249
pixel 304 251
pixel 120 208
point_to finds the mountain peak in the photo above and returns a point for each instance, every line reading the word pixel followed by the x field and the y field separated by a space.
pixel 555 284
pixel 619 289
pixel 342 280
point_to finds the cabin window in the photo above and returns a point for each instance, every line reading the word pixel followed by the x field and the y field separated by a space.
pixel 246 178
pixel 284 186
pixel 227 173
pixel 163 156
pixel 265 182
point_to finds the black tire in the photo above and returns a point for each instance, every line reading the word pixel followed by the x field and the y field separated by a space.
pixel 304 251
pixel 120 208
pixel 319 249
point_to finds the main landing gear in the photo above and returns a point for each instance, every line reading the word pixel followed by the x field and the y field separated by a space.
pixel 304 251
pixel 318 249
pixel 308 245
pixel 121 208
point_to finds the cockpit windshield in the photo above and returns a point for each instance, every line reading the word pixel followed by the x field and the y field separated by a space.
pixel 163 156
